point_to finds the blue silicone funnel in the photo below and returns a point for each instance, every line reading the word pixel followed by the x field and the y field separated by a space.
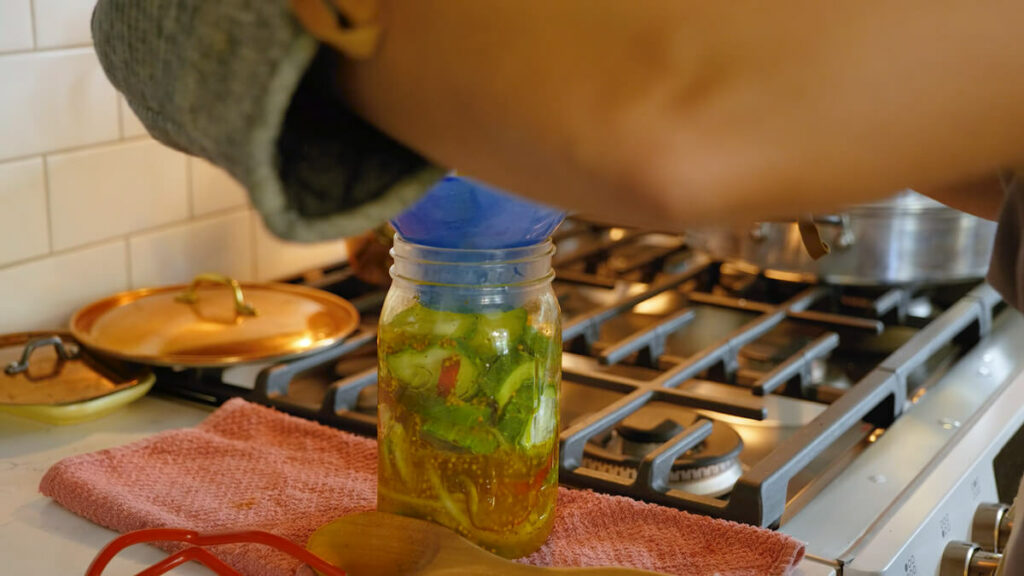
pixel 463 213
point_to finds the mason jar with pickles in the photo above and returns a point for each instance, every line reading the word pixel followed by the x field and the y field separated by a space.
pixel 469 351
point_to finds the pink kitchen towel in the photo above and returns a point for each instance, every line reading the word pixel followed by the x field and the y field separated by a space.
pixel 251 467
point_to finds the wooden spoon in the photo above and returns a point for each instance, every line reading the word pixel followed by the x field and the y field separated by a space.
pixel 380 544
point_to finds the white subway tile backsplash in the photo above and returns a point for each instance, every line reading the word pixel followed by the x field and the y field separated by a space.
pixel 131 126
pixel 24 232
pixel 175 255
pixel 277 259
pixel 114 190
pixel 213 189
pixel 63 22
pixel 89 205
pixel 52 100
pixel 42 294
pixel 15 25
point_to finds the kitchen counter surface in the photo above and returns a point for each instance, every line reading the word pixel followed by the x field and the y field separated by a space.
pixel 39 537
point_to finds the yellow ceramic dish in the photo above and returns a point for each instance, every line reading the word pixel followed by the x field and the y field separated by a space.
pixel 76 412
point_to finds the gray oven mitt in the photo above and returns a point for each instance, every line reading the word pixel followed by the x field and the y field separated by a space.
pixel 240 83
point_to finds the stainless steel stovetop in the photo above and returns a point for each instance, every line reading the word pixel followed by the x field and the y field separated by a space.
pixel 870 423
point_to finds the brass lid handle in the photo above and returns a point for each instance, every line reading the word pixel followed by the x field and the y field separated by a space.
pixel 189 296
pixel 67 352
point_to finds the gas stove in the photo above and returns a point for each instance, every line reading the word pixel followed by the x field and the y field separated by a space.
pixel 875 424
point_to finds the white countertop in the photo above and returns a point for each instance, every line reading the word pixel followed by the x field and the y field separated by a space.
pixel 39 537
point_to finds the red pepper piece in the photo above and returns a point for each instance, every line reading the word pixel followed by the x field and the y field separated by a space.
pixel 521 488
pixel 449 374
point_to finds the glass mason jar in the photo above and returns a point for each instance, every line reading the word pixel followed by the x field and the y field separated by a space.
pixel 469 351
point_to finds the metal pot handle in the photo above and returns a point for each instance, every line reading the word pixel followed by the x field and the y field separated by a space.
pixel 65 352
pixel 807 224
pixel 189 296
pixel 811 236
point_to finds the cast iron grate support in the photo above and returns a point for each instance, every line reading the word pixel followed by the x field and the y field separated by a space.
pixel 759 496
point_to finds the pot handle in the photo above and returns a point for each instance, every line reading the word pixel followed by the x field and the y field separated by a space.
pixel 189 296
pixel 65 352
pixel 811 236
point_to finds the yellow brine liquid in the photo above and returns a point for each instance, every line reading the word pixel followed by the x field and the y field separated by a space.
pixel 468 423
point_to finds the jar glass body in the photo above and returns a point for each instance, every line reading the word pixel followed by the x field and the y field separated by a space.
pixel 469 367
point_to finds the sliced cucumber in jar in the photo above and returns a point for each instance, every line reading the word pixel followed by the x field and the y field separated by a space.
pixel 524 373
pixel 464 426
pixel 420 321
pixel 445 369
pixel 497 333
pixel 541 429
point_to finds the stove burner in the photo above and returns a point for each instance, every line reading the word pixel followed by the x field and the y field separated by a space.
pixel 709 469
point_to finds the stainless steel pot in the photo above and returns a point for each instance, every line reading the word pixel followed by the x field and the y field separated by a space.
pixel 906 239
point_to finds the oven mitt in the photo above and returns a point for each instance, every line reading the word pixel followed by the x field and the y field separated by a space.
pixel 242 84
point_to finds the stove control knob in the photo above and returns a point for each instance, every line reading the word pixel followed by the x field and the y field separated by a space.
pixel 965 559
pixel 991 526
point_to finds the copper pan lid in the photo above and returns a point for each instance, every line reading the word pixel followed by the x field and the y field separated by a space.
pixel 214 321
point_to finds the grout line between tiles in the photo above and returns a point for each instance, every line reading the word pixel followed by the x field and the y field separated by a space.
pixel 189 187
pixel 45 49
pixel 120 116
pixel 202 219
pixel 220 212
pixel 32 17
pixel 62 252
pixel 128 262
pixel 49 205
pixel 253 240
pixel 78 148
